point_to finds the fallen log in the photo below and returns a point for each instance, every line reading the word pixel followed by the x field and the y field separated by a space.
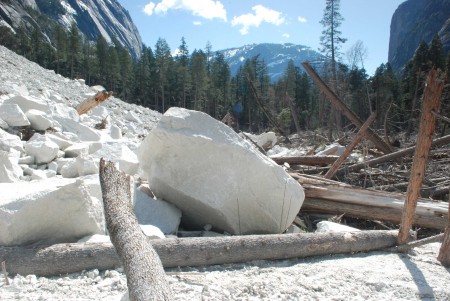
pixel 146 279
pixel 338 198
pixel 178 252
pixel 401 153
pixel 363 211
pixel 93 101
pixel 305 160
pixel 359 136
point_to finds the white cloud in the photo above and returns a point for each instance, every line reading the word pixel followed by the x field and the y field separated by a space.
pixel 197 23
pixel 208 9
pixel 286 35
pixel 148 9
pixel 261 14
pixel 302 19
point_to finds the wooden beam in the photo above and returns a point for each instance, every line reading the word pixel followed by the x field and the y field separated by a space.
pixel 338 104
pixel 431 102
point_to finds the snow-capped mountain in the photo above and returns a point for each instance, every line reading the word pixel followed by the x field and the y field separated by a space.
pixel 276 56
pixel 93 18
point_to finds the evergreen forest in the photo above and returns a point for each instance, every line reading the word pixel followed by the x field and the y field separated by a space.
pixel 201 80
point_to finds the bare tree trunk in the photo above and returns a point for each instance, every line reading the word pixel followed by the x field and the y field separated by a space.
pixel 401 153
pixel 146 278
pixel 431 102
pixel 196 251
pixel 337 103
pixel 294 113
pixel 359 136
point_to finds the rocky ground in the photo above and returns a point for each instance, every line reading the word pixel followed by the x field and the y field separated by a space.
pixel 371 276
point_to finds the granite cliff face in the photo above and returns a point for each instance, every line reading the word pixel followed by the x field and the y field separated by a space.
pixel 415 21
pixel 93 18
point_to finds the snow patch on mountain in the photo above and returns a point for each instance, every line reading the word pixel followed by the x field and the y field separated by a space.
pixel 275 56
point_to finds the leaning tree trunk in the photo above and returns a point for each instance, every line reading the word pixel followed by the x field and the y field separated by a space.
pixel 444 252
pixel 146 278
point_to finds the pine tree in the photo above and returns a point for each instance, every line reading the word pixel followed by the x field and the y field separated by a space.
pixel 183 77
pixel 436 53
pixel 331 41
pixel 61 49
pixel 199 78
pixel 74 53
pixel 163 60
pixel 102 58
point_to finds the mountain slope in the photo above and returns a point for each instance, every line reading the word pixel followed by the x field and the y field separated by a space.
pixel 415 21
pixel 276 56
pixel 93 17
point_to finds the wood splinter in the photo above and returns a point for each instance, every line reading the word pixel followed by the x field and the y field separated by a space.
pixel 93 101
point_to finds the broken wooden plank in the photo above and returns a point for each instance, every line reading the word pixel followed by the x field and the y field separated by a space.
pixel 174 252
pixel 359 136
pixel 305 160
pixel 431 102
pixel 93 101
pixel 338 104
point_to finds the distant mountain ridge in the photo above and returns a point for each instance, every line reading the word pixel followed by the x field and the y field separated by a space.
pixel 415 21
pixel 276 56
pixel 93 18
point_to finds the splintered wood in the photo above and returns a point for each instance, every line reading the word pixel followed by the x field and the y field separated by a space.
pixel 93 101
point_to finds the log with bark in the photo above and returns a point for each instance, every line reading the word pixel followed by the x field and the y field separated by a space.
pixel 305 160
pixel 146 278
pixel 392 156
pixel 180 252
pixel 332 197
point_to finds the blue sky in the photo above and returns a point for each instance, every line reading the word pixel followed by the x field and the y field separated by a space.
pixel 234 23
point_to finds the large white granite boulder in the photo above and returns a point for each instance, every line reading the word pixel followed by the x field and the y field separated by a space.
pixel 119 153
pixel 55 210
pixel 10 170
pixel 13 115
pixel 156 212
pixel 27 102
pixel 204 168
pixel 39 120
pixel 9 142
pixel 42 148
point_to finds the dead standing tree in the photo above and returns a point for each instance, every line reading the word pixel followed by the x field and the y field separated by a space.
pixel 431 103
pixel 338 104
pixel 145 274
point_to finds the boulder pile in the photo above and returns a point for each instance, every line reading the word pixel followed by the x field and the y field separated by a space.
pixel 189 167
